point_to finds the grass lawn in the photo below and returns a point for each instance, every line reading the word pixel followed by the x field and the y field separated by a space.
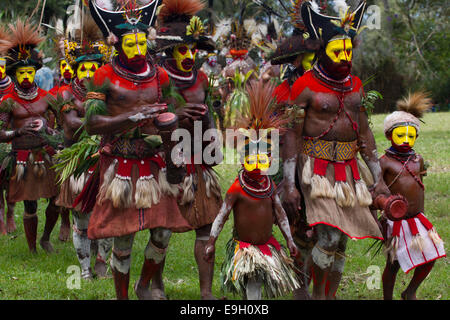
pixel 42 276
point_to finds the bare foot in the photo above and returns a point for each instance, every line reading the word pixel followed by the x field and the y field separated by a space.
pixel 408 296
pixel 10 224
pixel 47 246
pixel 101 269
pixel 158 294
pixel 301 294
pixel 64 233
pixel 2 228
pixel 142 293
pixel 208 296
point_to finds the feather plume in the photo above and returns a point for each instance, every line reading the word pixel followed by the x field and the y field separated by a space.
pixel 5 40
pixel 260 111
pixel 341 7
pixel 22 33
pixel 173 9
pixel 416 103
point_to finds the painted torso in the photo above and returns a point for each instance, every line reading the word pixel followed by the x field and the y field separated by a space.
pixel 322 106
pixel 126 95
pixel 253 217
pixel 403 182
pixel 67 93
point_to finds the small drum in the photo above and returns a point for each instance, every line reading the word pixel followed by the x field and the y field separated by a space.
pixel 166 121
pixel 395 207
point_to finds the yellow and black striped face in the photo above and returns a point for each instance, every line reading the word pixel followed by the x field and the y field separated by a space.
pixel 257 161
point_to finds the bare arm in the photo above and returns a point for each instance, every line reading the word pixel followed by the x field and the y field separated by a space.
pixel 218 224
pixel 370 155
pixel 283 224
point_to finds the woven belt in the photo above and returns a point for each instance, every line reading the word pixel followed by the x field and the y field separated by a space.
pixel 132 148
pixel 330 150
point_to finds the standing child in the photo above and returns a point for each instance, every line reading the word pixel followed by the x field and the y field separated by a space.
pixel 412 241
pixel 254 257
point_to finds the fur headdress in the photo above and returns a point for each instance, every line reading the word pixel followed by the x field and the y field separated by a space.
pixel 177 23
pixel 21 49
pixel 410 110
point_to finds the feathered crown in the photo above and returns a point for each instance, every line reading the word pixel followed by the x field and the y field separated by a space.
pixel 5 41
pixel 21 48
pixel 118 17
pixel 259 114
pixel 86 44
pixel 326 28
pixel 177 23
pixel 410 110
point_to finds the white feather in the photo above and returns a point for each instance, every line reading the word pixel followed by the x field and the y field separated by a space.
pixel 340 6
pixel 315 6
pixel 222 29
pixel 105 4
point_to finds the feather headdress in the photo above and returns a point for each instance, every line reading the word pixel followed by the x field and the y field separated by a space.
pixel 177 23
pixel 21 49
pixel 410 110
pixel 259 117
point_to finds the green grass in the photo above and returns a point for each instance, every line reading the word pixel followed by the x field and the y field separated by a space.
pixel 42 276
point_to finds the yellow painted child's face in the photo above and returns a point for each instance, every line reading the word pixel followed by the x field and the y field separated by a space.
pixel 184 55
pixel 65 69
pixel 25 74
pixel 86 69
pixel 2 68
pixel 339 50
pixel 257 161
pixel 404 135
pixel 307 60
pixel 134 44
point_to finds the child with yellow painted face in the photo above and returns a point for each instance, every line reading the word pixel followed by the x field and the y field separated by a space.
pixel 411 241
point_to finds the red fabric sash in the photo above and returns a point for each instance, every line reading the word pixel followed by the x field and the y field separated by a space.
pixel 22 156
pixel 264 248
pixel 320 168
pixel 412 225
pixel 126 165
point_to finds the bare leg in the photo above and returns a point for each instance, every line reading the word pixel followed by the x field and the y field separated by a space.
pixel 253 289
pixel 120 264
pixel 154 255
pixel 10 223
pixel 81 242
pixel 2 215
pixel 64 230
pixel 303 264
pixel 420 274
pixel 323 258
pixel 51 217
pixel 335 276
pixel 389 276
pixel 205 269
pixel 157 291
pixel 104 247
pixel 30 223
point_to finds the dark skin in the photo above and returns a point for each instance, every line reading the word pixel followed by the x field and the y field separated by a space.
pixel 253 221
pixel 408 187
pixel 27 121
pixel 193 110
pixel 320 110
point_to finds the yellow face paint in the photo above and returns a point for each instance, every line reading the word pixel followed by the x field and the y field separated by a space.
pixel 2 68
pixel 134 44
pixel 184 55
pixel 340 50
pixel 64 68
pixel 404 135
pixel 23 73
pixel 307 60
pixel 259 161
pixel 87 69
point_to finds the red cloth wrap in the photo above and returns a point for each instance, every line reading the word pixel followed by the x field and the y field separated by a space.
pixel 263 247
pixel 22 156
pixel 320 168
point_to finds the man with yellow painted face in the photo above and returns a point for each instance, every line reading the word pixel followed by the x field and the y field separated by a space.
pixel 411 241
pixel 320 152
pixel 26 111
pixel 6 87
pixel 130 114
pixel 181 35
pixel 86 56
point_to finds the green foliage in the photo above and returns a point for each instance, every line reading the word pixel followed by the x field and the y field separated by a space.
pixel 237 99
